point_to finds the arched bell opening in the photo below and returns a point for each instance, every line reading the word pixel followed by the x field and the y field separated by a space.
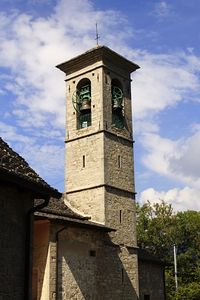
pixel 82 103
pixel 117 104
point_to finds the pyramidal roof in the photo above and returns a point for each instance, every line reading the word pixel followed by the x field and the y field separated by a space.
pixel 98 53
pixel 15 169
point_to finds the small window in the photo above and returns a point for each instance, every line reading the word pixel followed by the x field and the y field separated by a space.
pixel 83 161
pixel 146 297
pixel 92 253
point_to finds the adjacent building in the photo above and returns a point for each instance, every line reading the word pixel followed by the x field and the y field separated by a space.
pixel 19 186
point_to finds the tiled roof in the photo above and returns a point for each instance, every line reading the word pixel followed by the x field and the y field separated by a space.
pixel 15 169
pixel 58 211
pixel 59 208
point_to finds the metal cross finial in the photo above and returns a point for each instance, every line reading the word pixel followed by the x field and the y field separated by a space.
pixel 97 35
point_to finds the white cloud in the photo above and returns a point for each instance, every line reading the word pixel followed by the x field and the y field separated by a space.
pixel 145 125
pixel 164 81
pixel 158 153
pixel 187 161
pixel 46 159
pixel 181 199
pixel 9 133
pixel 178 160
pixel 31 47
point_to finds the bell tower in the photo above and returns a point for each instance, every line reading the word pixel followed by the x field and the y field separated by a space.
pixel 99 170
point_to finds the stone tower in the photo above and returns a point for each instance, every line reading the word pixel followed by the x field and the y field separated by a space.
pixel 99 171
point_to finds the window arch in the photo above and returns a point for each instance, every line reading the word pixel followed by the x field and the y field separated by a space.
pixel 83 103
pixel 117 104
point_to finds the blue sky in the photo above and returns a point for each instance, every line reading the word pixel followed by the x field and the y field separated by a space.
pixel 161 36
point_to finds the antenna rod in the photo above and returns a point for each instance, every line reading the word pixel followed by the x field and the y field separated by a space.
pixel 175 268
pixel 97 35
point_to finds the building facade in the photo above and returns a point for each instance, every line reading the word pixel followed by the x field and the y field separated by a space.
pixel 19 186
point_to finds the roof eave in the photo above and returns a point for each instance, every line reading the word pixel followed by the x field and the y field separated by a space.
pixel 73 221
pixel 37 189
pixel 93 55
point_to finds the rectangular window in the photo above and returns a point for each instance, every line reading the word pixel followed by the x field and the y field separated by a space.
pixel 146 297
pixel 83 161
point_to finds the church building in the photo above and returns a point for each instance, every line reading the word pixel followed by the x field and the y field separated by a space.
pixel 84 242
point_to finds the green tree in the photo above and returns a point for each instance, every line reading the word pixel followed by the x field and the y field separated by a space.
pixel 159 228
pixel 190 291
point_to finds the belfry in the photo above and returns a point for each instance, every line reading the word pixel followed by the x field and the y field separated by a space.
pixel 99 172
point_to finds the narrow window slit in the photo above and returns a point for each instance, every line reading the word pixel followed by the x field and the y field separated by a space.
pixel 83 161
pixel 119 161
pixel 120 216
pixel 122 270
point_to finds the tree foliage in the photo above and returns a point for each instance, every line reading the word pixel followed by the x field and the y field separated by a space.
pixel 158 229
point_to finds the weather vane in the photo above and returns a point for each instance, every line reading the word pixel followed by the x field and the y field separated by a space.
pixel 97 35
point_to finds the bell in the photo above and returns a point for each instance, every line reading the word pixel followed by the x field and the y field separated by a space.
pixel 85 105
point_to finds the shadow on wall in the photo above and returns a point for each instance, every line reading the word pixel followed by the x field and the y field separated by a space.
pixel 90 267
pixel 40 260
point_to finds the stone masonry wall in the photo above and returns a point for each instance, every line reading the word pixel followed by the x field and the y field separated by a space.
pixel 118 163
pixel 90 267
pixel 119 267
pixel 89 202
pixel 77 268
pixel 14 204
pixel 120 215
pixel 91 173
